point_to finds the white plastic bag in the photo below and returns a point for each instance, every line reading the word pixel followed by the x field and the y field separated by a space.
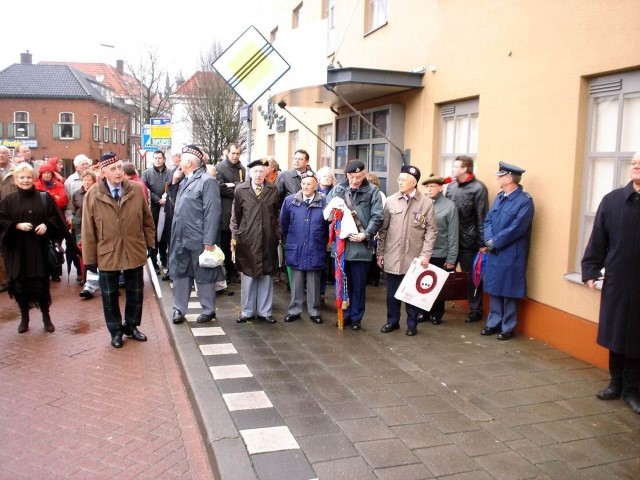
pixel 211 258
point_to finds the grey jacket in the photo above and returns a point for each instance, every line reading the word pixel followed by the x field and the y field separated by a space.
pixel 155 181
pixel 447 221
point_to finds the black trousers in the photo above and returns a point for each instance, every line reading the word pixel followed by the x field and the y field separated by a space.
pixel 134 289
pixel 225 245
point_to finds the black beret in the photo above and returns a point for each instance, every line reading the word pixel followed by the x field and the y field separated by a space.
pixel 411 170
pixel 507 169
pixel 354 166
pixel 108 158
pixel 259 163
pixel 194 150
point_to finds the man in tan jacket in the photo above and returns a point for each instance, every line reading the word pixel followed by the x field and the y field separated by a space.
pixel 117 234
pixel 408 231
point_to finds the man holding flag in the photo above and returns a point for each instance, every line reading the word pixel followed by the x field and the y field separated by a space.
pixel 364 203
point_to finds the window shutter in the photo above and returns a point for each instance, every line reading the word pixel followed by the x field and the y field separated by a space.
pixel 76 131
pixel 11 130
pixel 0 129
pixel 56 130
pixel 32 130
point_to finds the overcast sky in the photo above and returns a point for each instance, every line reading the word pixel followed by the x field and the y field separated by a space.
pixel 73 30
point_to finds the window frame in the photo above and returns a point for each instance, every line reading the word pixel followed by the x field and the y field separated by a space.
pixel 114 131
pixel 295 16
pixel 325 154
pixel 106 131
pixel 376 15
pixel 96 128
pixel 466 109
pixel 623 85
pixel 62 124
pixel 123 134
pixel 26 123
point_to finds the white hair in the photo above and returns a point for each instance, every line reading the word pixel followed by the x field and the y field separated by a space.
pixel 80 159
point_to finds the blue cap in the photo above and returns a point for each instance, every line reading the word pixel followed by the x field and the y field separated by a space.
pixel 354 166
pixel 508 169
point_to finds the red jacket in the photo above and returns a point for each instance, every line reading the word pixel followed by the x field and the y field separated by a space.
pixel 56 190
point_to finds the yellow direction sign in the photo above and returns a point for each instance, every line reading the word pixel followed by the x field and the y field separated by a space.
pixel 251 65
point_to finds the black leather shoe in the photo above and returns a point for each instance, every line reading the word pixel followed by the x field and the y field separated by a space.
pixel 355 326
pixel 135 333
pixel 116 341
pixel 226 292
pixel 412 332
pixel 242 319
pixel 489 331
pixel 234 279
pixel 436 321
pixel 291 317
pixel 166 277
pixel 316 319
pixel 178 317
pixel 420 318
pixel 610 393
pixel 86 294
pixel 269 319
pixel 204 318
pixel 505 335
pixel 346 322
pixel 632 399
pixel 473 317
pixel 389 327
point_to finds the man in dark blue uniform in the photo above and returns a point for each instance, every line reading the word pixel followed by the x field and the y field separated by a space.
pixel 507 236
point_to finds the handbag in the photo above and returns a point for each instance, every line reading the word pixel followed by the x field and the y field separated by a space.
pixel 454 288
pixel 55 255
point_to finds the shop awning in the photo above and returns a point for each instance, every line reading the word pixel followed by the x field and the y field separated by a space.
pixel 354 85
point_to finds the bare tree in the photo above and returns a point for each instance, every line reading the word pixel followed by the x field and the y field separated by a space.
pixel 152 90
pixel 213 109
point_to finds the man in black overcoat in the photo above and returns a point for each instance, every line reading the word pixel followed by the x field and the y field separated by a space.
pixel 615 246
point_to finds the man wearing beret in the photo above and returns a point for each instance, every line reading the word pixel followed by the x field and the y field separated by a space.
pixel 472 200
pixel 365 202
pixel 445 250
pixel 255 229
pixel 507 237
pixel 117 233
pixel 195 228
pixel 408 231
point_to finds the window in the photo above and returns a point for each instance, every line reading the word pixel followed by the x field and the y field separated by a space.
pixel 295 16
pixel 114 131
pixel 123 135
pixel 21 127
pixel 271 144
pixel 273 35
pixel 375 14
pixel 66 129
pixel 96 128
pixel 329 12
pixel 458 132
pixel 376 147
pixel 613 136
pixel 106 130
pixel 294 136
pixel 326 154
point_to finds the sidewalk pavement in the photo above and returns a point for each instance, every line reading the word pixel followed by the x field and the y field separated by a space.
pixel 73 407
pixel 296 401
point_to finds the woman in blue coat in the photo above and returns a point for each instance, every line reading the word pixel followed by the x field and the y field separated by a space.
pixel 507 236
pixel 306 233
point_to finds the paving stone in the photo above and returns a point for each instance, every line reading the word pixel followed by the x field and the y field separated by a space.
pixel 218 349
pixel 302 425
pixel 230 371
pixel 380 398
pixel 416 471
pixel 291 405
pixel 430 404
pixel 269 439
pixel 363 429
pixel 478 443
pixel 386 453
pixel 256 418
pixel 284 388
pixel 320 448
pixel 235 385
pixel 344 469
pixel 401 415
pixel 289 464
pixel 411 388
pixel 531 452
pixel 348 410
pixel 507 466
pixel 451 422
pixel 421 435
pixel 617 471
pixel 580 454
pixel 221 360
pixel 326 389
pixel 446 460
pixel 246 400
pixel 536 436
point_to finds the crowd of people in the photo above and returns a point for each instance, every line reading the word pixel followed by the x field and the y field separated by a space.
pixel 270 223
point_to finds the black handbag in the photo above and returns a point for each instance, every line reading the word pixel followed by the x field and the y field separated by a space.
pixel 55 255
pixel 454 288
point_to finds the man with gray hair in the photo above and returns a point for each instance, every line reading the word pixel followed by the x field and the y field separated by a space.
pixel 74 181
pixel 195 228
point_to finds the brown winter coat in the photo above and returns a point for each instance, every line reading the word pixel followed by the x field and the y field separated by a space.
pixel 116 238
pixel 408 231
pixel 255 227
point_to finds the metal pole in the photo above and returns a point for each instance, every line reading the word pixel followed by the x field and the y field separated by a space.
pixel 249 108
